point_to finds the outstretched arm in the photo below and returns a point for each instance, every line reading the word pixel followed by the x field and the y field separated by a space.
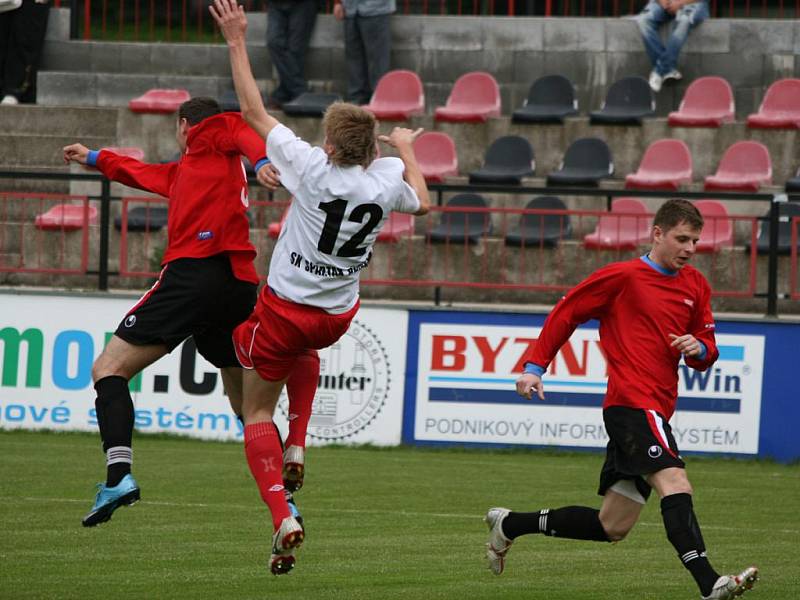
pixel 403 139
pixel 233 23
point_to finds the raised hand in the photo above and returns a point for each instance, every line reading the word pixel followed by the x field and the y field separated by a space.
pixel 231 20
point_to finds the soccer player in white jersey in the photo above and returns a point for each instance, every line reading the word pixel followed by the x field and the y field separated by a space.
pixel 342 197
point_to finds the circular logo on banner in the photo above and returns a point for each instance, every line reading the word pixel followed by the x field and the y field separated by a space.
pixel 353 385
pixel 654 451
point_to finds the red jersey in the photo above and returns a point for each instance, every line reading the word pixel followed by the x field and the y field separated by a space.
pixel 207 191
pixel 638 307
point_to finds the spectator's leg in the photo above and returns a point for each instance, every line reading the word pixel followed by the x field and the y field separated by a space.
pixel 5 46
pixel 301 24
pixel 688 17
pixel 378 39
pixel 355 54
pixel 649 20
pixel 278 44
pixel 28 28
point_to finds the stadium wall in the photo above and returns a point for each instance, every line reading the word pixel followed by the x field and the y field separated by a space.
pixel 399 375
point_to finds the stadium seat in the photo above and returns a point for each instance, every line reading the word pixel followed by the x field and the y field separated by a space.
pixel 144 218
pixel 718 229
pixel 475 97
pixel 627 102
pixel 457 227
pixel 708 102
pixel 66 217
pixel 787 211
pixel 310 104
pixel 626 227
pixel 396 227
pixel 436 156
pixel 543 229
pixel 780 108
pixel 666 165
pixel 159 101
pixel 586 162
pixel 793 184
pixel 744 167
pixel 130 151
pixel 274 228
pixel 550 99
pixel 398 95
pixel 508 160
pixel 229 101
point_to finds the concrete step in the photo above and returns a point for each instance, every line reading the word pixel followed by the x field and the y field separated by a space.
pixel 44 150
pixel 64 121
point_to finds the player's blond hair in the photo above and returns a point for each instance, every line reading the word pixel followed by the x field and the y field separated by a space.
pixel 351 131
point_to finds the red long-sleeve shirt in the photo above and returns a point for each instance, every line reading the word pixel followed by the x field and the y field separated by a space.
pixel 638 307
pixel 207 191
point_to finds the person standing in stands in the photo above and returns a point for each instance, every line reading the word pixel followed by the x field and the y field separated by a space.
pixel 367 44
pixel 22 32
pixel 207 285
pixel 687 15
pixel 289 27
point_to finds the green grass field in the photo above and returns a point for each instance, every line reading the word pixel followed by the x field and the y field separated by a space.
pixel 381 523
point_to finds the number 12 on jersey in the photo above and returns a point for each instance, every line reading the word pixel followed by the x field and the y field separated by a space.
pixel 334 216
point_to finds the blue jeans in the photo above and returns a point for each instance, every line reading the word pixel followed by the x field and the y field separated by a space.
pixel 665 58
pixel 289 27
pixel 367 51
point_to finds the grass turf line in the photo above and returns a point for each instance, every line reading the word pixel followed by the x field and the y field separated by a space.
pixel 399 523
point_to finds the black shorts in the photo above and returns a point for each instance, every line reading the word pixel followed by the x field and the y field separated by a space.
pixel 196 297
pixel 640 442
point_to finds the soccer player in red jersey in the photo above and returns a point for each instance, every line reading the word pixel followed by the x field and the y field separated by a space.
pixel 652 310
pixel 342 197
pixel 208 250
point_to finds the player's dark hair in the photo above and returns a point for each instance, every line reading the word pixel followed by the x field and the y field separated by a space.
pixel 197 109
pixel 351 131
pixel 676 211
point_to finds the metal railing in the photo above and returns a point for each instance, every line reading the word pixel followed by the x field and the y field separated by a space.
pixel 465 265
pixel 190 21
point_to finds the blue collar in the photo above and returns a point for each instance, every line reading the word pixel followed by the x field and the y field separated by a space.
pixel 646 259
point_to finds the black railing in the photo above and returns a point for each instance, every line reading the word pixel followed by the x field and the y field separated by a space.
pixel 771 294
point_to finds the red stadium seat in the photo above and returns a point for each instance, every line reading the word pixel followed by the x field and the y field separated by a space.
pixel 780 108
pixel 274 229
pixel 744 167
pixel 436 155
pixel 666 165
pixel 159 101
pixel 475 97
pixel 718 228
pixel 66 217
pixel 398 95
pixel 130 151
pixel 396 227
pixel 625 228
pixel 708 102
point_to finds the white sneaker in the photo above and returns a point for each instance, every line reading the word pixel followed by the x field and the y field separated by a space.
pixel 656 81
pixel 293 468
pixel 674 74
pixel 498 544
pixel 731 586
pixel 285 541
pixel 9 100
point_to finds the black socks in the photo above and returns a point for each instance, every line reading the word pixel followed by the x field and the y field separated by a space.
pixel 575 522
pixel 115 419
pixel 683 532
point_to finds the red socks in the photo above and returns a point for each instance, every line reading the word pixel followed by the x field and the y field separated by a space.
pixel 262 447
pixel 301 388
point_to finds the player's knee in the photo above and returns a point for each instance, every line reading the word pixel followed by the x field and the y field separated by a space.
pixel 104 366
pixel 616 532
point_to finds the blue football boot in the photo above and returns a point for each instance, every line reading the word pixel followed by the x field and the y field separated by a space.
pixel 125 493
pixel 293 506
